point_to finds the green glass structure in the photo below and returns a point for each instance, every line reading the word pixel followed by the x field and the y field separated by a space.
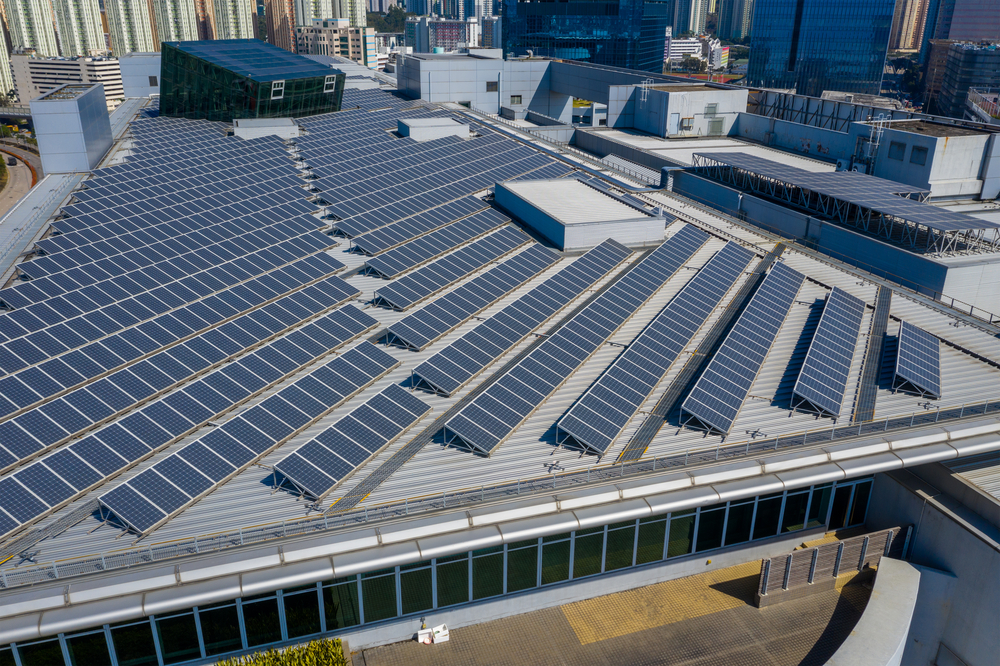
pixel 244 78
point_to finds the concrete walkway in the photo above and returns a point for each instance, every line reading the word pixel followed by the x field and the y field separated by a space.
pixel 702 620
pixel 18 184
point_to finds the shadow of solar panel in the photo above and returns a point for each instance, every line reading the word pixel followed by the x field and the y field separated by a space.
pixel 822 380
pixel 599 417
pixel 513 397
pixel 918 362
pixel 717 397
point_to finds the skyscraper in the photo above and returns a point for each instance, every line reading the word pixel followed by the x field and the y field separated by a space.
pixel 279 16
pixel 626 33
pixel 960 20
pixel 6 77
pixel 734 18
pixel 131 26
pixel 690 16
pixel 176 20
pixel 307 10
pixel 817 45
pixel 31 27
pixel 908 25
pixel 78 23
pixel 234 19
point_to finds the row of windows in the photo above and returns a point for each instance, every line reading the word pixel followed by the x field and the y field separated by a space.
pixel 897 150
pixel 412 589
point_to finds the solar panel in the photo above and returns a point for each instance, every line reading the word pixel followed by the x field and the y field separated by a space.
pixel 400 232
pixel 918 362
pixel 599 417
pixel 427 324
pixel 822 380
pixel 485 422
pixel 718 396
pixel 170 485
pixel 319 465
pixel 451 368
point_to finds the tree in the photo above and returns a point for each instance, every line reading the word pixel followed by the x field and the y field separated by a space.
pixel 900 64
pixel 693 65
pixel 392 21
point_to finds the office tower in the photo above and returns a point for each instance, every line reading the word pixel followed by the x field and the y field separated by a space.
pixel 960 20
pixel 967 66
pixel 816 45
pixel 176 20
pixel 908 25
pixel 690 16
pixel 234 19
pixel 630 35
pixel 279 16
pixel 307 10
pixel 31 27
pixel 131 26
pixel 78 23
pixel 734 18
pixel 427 33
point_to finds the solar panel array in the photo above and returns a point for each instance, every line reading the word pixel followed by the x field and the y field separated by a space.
pixel 414 287
pixel 173 482
pixel 717 398
pixel 485 422
pixel 452 367
pixel 333 455
pixel 398 233
pixel 429 323
pixel 601 414
pixel 410 255
pixel 918 361
pixel 860 189
pixel 822 380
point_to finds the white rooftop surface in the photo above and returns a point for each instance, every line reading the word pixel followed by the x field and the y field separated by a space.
pixel 572 202
pixel 264 122
pixel 431 122
pixel 681 150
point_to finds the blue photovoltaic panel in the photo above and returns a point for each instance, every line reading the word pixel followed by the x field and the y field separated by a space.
pixel 596 421
pixel 822 380
pixel 323 462
pixel 718 396
pixel 918 361
pixel 485 422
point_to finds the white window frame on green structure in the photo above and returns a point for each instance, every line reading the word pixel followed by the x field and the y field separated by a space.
pixel 277 89
pixel 330 83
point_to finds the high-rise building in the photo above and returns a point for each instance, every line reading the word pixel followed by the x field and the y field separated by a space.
pixel 6 79
pixel 626 33
pixel 176 20
pixel 960 20
pixel 234 19
pixel 908 25
pixel 816 45
pixel 131 26
pixel 426 33
pixel 337 38
pixel 734 18
pixel 967 66
pixel 492 32
pixel 78 23
pixel 690 16
pixel 31 26
pixel 279 16
pixel 308 10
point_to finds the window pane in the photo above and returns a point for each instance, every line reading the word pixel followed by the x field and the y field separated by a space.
pixel 681 536
pixel 522 568
pixel 738 527
pixel 415 590
pixel 618 553
pixel 841 503
pixel 651 536
pixel 340 604
pixel 820 504
pixel 860 508
pixel 710 529
pixel 134 645
pixel 453 582
pixel 487 576
pixel 795 512
pixel 260 619
pixel 768 512
pixel 379 597
pixel 555 562
pixel 220 629
pixel 86 650
pixel 178 638
pixel 6 657
pixel 302 613
pixel 46 653
pixel 587 555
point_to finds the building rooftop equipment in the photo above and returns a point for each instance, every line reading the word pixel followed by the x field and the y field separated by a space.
pixel 428 129
pixel 68 91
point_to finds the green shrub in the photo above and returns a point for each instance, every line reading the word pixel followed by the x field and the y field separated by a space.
pixel 323 652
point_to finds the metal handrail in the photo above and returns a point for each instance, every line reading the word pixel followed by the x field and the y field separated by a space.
pixel 16 576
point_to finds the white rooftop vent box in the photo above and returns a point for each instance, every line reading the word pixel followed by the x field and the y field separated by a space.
pixel 428 129
pixel 254 128
pixel 72 127
pixel 575 216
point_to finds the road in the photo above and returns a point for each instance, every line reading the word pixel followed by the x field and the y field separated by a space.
pixel 18 184
pixel 32 159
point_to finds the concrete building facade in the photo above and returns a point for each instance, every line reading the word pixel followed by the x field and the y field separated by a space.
pixel 131 27
pixel 967 66
pixel 6 77
pixel 176 20
pixel 31 26
pixel 279 18
pixel 734 19
pixel 908 25
pixel 427 33
pixel 337 38
pixel 79 26
pixel 234 19
pixel 140 74
pixel 35 76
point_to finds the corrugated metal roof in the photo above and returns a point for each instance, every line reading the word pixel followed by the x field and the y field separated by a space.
pixel 982 471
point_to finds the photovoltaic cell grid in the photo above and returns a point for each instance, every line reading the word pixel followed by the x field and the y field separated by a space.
pixel 918 361
pixel 718 396
pixel 427 324
pixel 485 422
pixel 333 455
pixel 822 380
pixel 121 389
pixel 390 236
pixel 452 367
pixel 860 189
pixel 32 491
pixel 173 482
pixel 418 285
pixel 599 417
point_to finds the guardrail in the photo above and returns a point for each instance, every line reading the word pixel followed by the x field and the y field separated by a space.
pixel 24 229
pixel 17 576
